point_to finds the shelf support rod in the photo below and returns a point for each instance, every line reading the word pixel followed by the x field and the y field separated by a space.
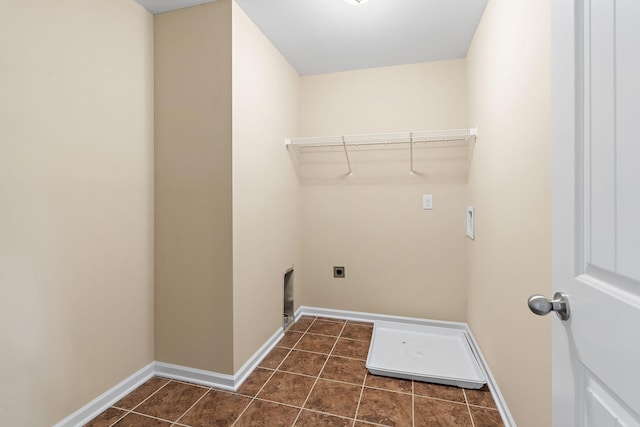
pixel 411 171
pixel 346 154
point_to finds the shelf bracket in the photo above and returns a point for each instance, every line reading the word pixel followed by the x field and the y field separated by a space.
pixel 346 154
pixel 411 171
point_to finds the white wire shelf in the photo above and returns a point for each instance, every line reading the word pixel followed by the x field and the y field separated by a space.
pixel 384 139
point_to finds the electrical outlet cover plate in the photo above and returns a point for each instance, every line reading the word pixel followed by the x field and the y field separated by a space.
pixel 427 201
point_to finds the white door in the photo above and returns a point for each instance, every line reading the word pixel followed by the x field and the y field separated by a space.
pixel 596 211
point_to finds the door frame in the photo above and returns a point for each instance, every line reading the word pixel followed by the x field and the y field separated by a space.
pixel 566 129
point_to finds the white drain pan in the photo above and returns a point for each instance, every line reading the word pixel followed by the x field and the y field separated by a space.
pixel 423 353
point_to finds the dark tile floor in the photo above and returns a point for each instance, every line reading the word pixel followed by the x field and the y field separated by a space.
pixel 316 376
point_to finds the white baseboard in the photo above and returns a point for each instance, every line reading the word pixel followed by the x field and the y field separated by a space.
pixel 373 317
pixel 168 370
pixel 194 375
pixel 108 398
pixel 507 418
pixel 214 379
pixel 233 382
pixel 257 357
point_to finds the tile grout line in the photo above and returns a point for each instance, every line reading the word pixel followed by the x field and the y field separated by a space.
pixel 153 417
pixel 468 408
pixel 119 419
pixel 320 372
pixel 191 407
pixel 331 319
pixel 129 411
pixel 413 403
pixel 387 390
pixel 262 399
pixel 189 383
pixel 126 412
pixel 364 381
pixel 471 405
pixel 149 397
pixel 255 397
pixel 324 354
pixel 247 407
pixel 328 413
pixel 346 338
pixel 278 368
pixel 335 381
pixel 312 410
pixel 441 399
pixel 289 350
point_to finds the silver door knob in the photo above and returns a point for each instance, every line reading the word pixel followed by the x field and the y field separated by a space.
pixel 542 306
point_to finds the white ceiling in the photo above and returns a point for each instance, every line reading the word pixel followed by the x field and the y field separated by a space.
pixel 160 6
pixel 324 36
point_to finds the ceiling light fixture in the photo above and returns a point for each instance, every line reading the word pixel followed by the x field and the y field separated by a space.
pixel 356 2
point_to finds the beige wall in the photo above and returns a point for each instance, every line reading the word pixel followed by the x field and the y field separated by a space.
pixel 399 258
pixel 509 184
pixel 194 277
pixel 265 187
pixel 76 203
pixel 77 213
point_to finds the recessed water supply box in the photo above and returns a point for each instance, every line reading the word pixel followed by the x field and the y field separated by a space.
pixel 424 353
pixel 288 315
